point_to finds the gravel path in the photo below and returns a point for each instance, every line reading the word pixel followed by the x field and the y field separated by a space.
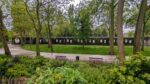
pixel 16 50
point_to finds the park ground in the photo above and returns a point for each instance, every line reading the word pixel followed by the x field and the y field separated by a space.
pixel 78 49
pixel 40 69
pixel 89 49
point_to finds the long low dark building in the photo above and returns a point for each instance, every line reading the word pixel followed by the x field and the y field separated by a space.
pixel 77 41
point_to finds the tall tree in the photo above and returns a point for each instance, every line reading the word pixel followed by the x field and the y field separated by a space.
pixel 3 32
pixel 84 24
pixel 120 30
pixel 20 19
pixel 144 25
pixel 145 28
pixel 88 10
pixel 36 18
pixel 50 14
pixel 72 18
pixel 139 28
pixel 111 29
pixel 108 12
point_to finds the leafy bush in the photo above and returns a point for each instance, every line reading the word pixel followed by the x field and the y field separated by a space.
pixel 58 63
pixel 5 62
pixel 18 70
pixel 39 61
pixel 60 75
pixel 36 61
pixel 20 66
pixel 23 60
pixel 94 75
pixel 136 70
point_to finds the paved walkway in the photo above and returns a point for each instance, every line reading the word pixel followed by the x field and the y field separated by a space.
pixel 16 50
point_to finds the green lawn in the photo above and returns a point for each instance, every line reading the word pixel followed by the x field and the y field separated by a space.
pixel 90 49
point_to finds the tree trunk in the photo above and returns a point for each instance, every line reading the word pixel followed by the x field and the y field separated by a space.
pixel 50 45
pixel 111 36
pixel 120 31
pixel 143 37
pixel 3 35
pixel 37 44
pixel 6 48
pixel 39 28
pixel 22 40
pixel 49 37
pixel 31 40
pixel 83 43
pixel 139 28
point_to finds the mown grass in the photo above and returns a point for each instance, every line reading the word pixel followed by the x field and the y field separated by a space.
pixel 89 49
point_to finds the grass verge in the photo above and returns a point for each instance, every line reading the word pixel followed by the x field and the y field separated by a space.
pixel 89 49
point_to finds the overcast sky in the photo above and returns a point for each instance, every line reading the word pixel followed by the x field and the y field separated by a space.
pixel 76 2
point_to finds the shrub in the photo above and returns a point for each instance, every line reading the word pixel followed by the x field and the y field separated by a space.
pixel 18 70
pixel 96 74
pixel 36 61
pixel 5 62
pixel 136 70
pixel 33 63
pixel 23 60
pixel 58 63
pixel 58 75
pixel 39 61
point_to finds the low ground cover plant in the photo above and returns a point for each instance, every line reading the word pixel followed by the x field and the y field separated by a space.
pixel 43 70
